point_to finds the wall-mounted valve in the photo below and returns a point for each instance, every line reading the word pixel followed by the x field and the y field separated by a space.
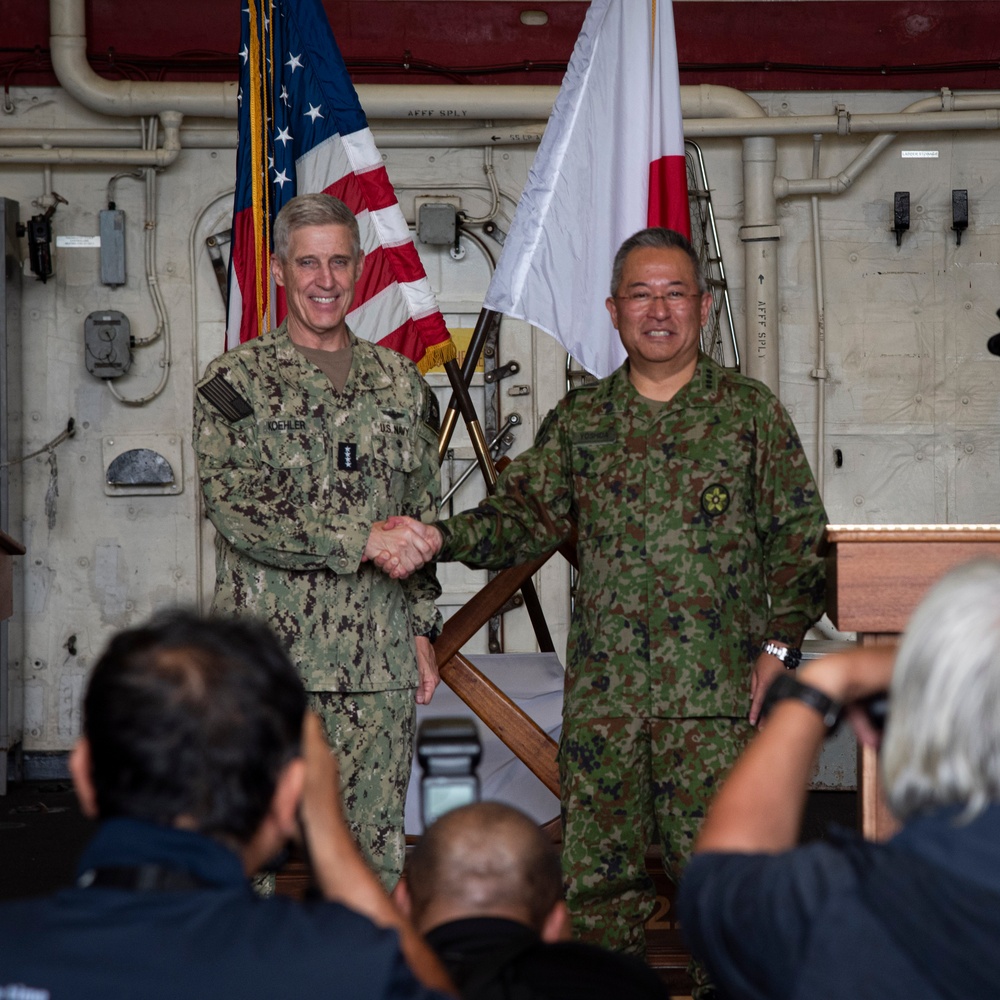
pixel 900 214
pixel 959 213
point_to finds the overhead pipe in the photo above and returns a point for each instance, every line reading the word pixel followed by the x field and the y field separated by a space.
pixel 82 154
pixel 68 48
pixel 114 137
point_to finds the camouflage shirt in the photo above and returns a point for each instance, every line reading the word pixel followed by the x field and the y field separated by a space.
pixel 698 523
pixel 293 475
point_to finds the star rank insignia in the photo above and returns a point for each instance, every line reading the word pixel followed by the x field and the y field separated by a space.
pixel 715 499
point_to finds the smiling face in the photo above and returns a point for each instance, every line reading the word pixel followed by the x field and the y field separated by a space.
pixel 659 312
pixel 318 274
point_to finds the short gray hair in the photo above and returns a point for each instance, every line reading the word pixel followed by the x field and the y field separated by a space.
pixel 942 744
pixel 659 239
pixel 312 210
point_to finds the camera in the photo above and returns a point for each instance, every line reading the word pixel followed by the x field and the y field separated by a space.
pixel 449 752
pixel 877 709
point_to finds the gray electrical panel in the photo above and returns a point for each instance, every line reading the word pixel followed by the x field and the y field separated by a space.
pixel 11 437
pixel 112 229
pixel 437 223
pixel 107 337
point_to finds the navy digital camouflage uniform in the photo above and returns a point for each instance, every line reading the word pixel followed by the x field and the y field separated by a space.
pixel 293 475
pixel 698 523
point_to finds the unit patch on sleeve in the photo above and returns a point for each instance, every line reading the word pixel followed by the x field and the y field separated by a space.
pixel 225 399
pixel 715 499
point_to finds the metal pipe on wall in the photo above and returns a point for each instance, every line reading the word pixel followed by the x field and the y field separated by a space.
pixel 819 373
pixel 111 156
pixel 760 234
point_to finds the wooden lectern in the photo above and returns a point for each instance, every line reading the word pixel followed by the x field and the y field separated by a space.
pixel 876 576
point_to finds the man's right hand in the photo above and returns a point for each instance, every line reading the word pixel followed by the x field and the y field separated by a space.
pixel 401 545
pixel 341 874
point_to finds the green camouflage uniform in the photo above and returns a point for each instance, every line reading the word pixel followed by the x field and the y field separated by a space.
pixel 698 522
pixel 294 474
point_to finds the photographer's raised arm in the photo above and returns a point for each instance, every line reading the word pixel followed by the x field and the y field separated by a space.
pixel 341 874
pixel 759 809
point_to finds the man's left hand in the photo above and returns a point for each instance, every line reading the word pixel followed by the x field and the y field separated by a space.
pixel 427 665
pixel 764 671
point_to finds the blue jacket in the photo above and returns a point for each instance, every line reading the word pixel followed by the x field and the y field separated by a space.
pixel 213 939
pixel 917 917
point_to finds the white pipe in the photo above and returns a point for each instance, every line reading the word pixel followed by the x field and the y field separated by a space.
pixel 848 124
pixel 68 48
pixel 82 154
pixel 944 112
pixel 760 234
pixel 819 372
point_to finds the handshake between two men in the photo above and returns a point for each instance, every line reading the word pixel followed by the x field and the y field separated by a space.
pixel 401 545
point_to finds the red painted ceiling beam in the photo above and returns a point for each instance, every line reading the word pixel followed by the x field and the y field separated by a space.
pixel 777 45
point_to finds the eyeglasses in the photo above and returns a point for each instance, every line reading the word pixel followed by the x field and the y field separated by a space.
pixel 677 300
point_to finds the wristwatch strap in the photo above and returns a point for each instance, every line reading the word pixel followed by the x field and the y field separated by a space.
pixel 788 686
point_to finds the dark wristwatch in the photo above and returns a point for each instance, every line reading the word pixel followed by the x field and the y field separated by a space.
pixel 789 686
pixel 790 657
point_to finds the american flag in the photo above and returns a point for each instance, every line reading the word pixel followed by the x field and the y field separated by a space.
pixel 302 129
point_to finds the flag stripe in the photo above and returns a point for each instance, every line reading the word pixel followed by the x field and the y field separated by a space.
pixel 668 196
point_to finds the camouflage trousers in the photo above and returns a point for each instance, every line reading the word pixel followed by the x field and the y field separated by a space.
pixel 627 783
pixel 372 736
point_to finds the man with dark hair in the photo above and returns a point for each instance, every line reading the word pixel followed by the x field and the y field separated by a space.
pixel 308 438
pixel 697 523
pixel 200 762
pixel 484 885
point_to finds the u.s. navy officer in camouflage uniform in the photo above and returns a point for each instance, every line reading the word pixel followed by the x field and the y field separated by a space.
pixel 698 522
pixel 307 440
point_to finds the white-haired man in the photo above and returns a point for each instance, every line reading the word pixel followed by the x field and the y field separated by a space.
pixel 918 916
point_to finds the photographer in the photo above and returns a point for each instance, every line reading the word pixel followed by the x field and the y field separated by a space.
pixel 197 762
pixel 484 885
pixel 918 916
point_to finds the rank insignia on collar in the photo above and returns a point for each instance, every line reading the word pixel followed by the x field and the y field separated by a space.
pixel 715 499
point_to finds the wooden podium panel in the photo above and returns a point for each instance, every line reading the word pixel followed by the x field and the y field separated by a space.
pixel 876 575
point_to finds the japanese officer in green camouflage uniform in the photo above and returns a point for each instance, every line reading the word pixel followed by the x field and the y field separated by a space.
pixel 307 440
pixel 698 522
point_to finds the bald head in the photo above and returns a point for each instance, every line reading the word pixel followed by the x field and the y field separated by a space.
pixel 485 859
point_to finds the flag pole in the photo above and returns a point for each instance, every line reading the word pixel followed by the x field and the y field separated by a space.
pixel 461 395
pixel 488 320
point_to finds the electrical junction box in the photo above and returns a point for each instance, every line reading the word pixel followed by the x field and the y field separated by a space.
pixel 111 223
pixel 437 219
pixel 107 337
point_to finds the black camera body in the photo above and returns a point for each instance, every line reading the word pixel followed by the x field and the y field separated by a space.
pixel 449 752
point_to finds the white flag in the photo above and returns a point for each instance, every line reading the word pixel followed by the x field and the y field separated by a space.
pixel 610 163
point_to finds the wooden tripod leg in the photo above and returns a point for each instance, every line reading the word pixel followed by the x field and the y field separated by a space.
pixel 518 731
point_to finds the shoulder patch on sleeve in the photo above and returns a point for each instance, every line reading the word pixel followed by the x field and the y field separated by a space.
pixel 225 399
pixel 432 413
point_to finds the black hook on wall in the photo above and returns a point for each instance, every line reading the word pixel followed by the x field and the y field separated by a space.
pixel 900 214
pixel 959 213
